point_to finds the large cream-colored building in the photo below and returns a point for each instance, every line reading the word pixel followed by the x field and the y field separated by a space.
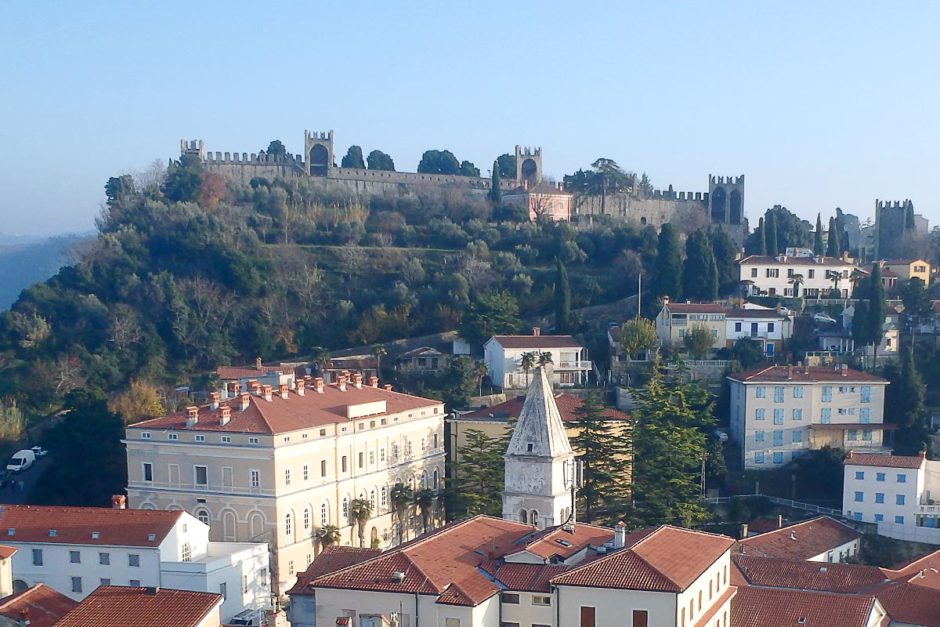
pixel 780 412
pixel 777 276
pixel 275 466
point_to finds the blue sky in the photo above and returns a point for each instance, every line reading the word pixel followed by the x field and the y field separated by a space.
pixel 819 104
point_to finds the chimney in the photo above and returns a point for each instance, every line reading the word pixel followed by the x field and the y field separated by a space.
pixel 779 521
pixel 301 388
pixel 318 384
pixel 388 387
pixel 536 331
pixel 620 535
pixel 373 381
pixel 743 530
pixel 793 536
pixel 282 388
pixel 845 370
pixel 225 415
pixel 152 590
pixel 192 415
pixel 789 372
pixel 341 383
pixel 119 501
pixel 666 299
pixel 267 391
pixel 258 364
pixel 245 396
pixel 357 380
pixel 254 386
pixel 214 398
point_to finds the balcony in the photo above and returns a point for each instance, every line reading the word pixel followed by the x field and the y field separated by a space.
pixel 573 365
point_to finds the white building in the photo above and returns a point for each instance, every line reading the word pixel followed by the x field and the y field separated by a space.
pixel 899 493
pixel 279 465
pixel 76 549
pixel 776 276
pixel 539 461
pixel 778 412
pixel 502 355
pixel 820 539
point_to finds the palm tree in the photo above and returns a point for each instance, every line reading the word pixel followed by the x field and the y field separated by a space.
pixel 321 357
pixel 545 358
pixel 480 372
pixel 401 497
pixel 527 362
pixel 836 278
pixel 328 535
pixel 361 511
pixel 424 499
pixel 796 281
pixel 378 351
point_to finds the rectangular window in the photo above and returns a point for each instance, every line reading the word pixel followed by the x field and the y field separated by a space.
pixel 451 622
pixel 76 584
pixel 144 435
pixel 778 438
pixel 770 327
pixel 826 415
pixel 797 436
pixel 778 394
pixel 134 583
pixel 827 393
pixel 866 393
pixel 322 467
pixel 899 520
pixel 75 557
pixel 737 327
pixel 880 476
pixel 105 581
pixel 381 454
pixel 510 597
pixel 200 438
pixel 879 497
pixel 104 559
pixel 133 560
pixel 759 457
pixel 226 439
pixel 541 600
pixel 37 557
pixel 148 471
pixel 587 617
pixel 879 518
pixel 899 499
pixel 902 478
pixel 859 475
pixel 254 478
pixel 798 414
pixel 753 273
pixel 811 273
pixel 866 435
pixel 758 436
pixel 362 458
pixel 859 497
pixel 761 391
pixel 201 475
pixel 223 590
pixel 372 458
pixel 798 391
pixel 287 476
pixel 778 416
pixel 343 464
pixel 864 415
pixel 641 618
pixel 759 413
pixel 778 458
pixel 253 440
pixel 172 436
pixel 306 472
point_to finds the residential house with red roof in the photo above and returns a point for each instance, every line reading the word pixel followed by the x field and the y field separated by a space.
pixel 152 606
pixel 503 354
pixel 76 549
pixel 777 276
pixel 820 539
pixel 779 412
pixel 41 605
pixel 278 464
pixel 768 327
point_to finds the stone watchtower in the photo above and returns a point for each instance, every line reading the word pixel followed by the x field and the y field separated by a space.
pixel 318 152
pixel 539 461
pixel 528 166
pixel 726 199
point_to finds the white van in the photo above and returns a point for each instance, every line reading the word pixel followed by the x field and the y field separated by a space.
pixel 21 460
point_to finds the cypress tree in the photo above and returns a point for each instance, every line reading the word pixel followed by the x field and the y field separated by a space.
pixel 877 309
pixel 833 247
pixel 904 406
pixel 771 225
pixel 562 299
pixel 496 195
pixel 818 246
pixel 700 274
pixel 762 240
pixel 668 281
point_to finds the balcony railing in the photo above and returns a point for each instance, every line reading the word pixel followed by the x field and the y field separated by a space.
pixel 574 365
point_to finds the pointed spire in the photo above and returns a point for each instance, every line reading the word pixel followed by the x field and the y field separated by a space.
pixel 539 431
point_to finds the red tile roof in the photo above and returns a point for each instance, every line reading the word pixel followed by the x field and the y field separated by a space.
pixel 456 563
pixel 332 558
pixel 696 307
pixel 797 374
pixel 296 412
pixel 773 261
pixel 567 404
pixel 855 458
pixel 528 577
pixel 556 541
pixel 117 606
pixel 805 575
pixel 536 341
pixel 913 600
pixel 75 525
pixel 40 603
pixel 801 541
pixel 6 551
pixel 667 560
pixel 769 607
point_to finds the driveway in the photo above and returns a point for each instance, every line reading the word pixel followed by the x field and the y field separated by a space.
pixel 14 495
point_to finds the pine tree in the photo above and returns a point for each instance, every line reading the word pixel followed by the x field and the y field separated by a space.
pixel 771 225
pixel 668 281
pixel 603 450
pixel 669 443
pixel 762 240
pixel 833 247
pixel 818 247
pixel 496 195
pixel 700 273
pixel 562 299
pixel 478 476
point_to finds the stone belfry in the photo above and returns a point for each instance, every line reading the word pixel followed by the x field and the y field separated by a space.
pixel 539 461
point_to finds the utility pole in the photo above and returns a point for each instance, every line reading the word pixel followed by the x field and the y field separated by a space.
pixel 639 294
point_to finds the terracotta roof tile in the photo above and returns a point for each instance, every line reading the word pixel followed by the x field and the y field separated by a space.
pixel 805 575
pixel 855 458
pixel 536 341
pixel 770 607
pixel 668 559
pixel 773 261
pixel 75 525
pixel 528 577
pixel 296 412
pixel 913 600
pixel 6 551
pixel 696 308
pixel 556 541
pixel 801 541
pixel 117 606
pixel 567 404
pixel 333 558
pixel 42 604
pixel 784 374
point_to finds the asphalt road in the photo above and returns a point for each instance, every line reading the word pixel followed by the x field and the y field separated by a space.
pixel 29 477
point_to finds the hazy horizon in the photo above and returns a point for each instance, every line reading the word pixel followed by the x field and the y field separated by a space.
pixel 818 106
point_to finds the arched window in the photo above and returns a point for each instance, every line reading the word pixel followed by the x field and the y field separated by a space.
pixel 524 516
pixel 187 552
pixel 256 524
pixel 384 500
pixel 324 515
pixel 203 515
pixel 437 479
pixel 306 519
pixel 288 524
pixel 229 524
pixel 424 479
pixel 534 517
pixel 372 500
pixel 346 508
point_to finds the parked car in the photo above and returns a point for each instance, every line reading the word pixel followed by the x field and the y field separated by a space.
pixel 21 460
pixel 823 318
pixel 248 617
pixel 39 451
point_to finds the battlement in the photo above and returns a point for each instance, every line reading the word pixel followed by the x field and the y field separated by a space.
pixel 244 158
pixel 893 204
pixel 527 151
pixel 670 194
pixel 192 147
pixel 326 136
pixel 725 180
